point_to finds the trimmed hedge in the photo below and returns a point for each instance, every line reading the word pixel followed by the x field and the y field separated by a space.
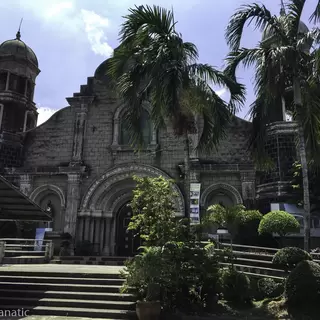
pixel 235 286
pixel 288 258
pixel 268 288
pixel 302 286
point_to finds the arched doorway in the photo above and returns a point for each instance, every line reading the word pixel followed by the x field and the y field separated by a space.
pixel 126 244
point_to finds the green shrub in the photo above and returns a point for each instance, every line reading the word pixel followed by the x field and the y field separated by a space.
pixel 235 286
pixel 288 258
pixel 302 288
pixel 279 222
pixel 268 288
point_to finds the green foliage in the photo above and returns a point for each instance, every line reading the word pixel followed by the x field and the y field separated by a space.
pixel 279 222
pixel 230 218
pixel 154 63
pixel 268 288
pixel 235 286
pixel 153 211
pixel 288 258
pixel 185 272
pixel 302 288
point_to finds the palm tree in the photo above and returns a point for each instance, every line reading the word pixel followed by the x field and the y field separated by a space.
pixel 286 79
pixel 154 63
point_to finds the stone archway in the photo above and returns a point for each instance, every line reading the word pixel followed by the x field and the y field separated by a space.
pixel 220 192
pixel 53 194
pixel 104 199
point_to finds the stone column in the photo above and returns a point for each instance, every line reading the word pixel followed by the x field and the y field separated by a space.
pixel 73 200
pixel 91 238
pixel 107 246
pixel 248 187
pixel 8 79
pixel 26 184
pixel 80 229
pixel 86 228
pixel 1 114
pixel 25 120
pixel 102 233
pixel 96 231
pixel 115 140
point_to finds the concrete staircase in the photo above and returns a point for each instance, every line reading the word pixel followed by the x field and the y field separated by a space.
pixel 94 260
pixel 74 294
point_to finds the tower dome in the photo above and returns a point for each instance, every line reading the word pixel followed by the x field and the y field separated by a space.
pixel 18 49
pixel 268 36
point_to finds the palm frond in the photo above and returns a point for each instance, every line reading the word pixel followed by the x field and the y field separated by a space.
pixel 254 13
pixel 293 17
pixel 315 17
pixel 153 20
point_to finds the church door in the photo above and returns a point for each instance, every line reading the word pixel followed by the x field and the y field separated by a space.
pixel 127 245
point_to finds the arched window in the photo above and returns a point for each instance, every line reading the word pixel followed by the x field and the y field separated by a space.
pixel 145 122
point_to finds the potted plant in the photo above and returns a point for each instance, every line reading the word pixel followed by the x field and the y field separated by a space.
pixel 150 307
pixel 143 279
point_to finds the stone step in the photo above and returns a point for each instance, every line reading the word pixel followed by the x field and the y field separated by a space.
pixel 68 303
pixel 91 258
pixel 59 287
pixel 13 293
pixel 67 273
pixel 61 280
pixel 24 260
pixel 76 312
pixel 87 262
pixel 17 253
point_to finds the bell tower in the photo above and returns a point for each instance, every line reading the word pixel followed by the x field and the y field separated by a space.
pixel 18 113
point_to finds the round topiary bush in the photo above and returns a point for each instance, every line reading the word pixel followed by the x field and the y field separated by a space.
pixel 288 258
pixel 279 222
pixel 302 287
pixel 235 286
pixel 269 288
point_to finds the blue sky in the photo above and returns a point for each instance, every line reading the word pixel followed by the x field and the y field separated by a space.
pixel 72 37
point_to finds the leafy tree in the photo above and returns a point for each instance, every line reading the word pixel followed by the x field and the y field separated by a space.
pixel 154 64
pixel 230 218
pixel 279 222
pixel 286 79
pixel 154 211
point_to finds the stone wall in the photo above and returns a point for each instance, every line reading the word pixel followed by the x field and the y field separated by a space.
pixel 51 143
pixel 10 150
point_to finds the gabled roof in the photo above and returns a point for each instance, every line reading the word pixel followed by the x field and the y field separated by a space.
pixel 14 205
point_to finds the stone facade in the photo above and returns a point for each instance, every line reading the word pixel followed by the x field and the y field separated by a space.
pixel 79 163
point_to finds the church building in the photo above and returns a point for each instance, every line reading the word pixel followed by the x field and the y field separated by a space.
pixel 79 163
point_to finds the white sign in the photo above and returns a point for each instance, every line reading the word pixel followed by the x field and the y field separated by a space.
pixel 194 203
pixel 39 238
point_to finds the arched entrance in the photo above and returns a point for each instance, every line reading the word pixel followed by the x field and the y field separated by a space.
pixel 126 244
pixel 50 198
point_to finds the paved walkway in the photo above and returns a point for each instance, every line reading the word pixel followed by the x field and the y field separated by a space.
pixel 63 268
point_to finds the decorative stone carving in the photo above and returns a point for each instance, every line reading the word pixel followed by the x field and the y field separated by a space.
pixel 248 185
pixel 232 191
pixel 36 192
pixel 119 173
pixel 26 184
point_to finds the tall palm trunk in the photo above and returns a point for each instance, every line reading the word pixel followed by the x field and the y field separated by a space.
pixel 187 173
pixel 304 166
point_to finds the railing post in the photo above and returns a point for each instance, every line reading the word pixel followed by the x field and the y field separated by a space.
pixel 2 250
pixel 48 251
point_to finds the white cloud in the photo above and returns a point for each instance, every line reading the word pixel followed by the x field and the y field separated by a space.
pixel 221 92
pixel 68 19
pixel 44 114
pixel 94 27
pixel 58 8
